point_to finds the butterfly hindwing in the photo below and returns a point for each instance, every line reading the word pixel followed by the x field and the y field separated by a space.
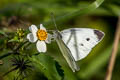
pixel 80 41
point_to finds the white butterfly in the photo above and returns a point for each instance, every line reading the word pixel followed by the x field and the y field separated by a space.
pixel 76 43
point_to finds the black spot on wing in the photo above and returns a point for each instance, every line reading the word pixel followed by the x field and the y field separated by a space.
pixel 87 39
pixel 81 44
pixel 99 34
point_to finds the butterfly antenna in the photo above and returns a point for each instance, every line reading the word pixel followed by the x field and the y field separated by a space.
pixel 52 16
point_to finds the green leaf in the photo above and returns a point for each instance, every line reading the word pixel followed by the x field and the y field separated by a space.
pixel 15 39
pixel 3 33
pixel 59 70
pixel 47 65
pixel 114 9
pixel 79 12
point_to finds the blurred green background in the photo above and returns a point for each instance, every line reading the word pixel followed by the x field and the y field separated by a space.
pixel 16 14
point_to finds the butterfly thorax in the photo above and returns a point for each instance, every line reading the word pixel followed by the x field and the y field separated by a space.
pixel 57 34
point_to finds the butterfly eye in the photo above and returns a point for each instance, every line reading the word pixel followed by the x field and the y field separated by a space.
pixel 87 39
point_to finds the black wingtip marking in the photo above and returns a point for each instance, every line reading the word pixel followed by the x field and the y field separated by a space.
pixel 99 34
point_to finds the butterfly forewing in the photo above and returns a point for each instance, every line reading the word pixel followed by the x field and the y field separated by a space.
pixel 80 41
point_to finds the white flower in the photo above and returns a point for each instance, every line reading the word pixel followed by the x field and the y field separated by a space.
pixel 40 36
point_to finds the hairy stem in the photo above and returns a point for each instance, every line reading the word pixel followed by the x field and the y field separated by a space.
pixel 14 51
pixel 114 52
pixel 5 55
pixel 9 71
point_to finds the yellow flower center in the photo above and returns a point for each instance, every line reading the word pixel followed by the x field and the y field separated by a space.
pixel 42 34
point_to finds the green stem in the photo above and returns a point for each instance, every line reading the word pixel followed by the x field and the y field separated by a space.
pixel 9 71
pixel 14 51
pixel 5 55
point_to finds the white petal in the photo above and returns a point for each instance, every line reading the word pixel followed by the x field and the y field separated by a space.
pixel 42 27
pixel 32 38
pixel 41 46
pixel 33 28
pixel 48 40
